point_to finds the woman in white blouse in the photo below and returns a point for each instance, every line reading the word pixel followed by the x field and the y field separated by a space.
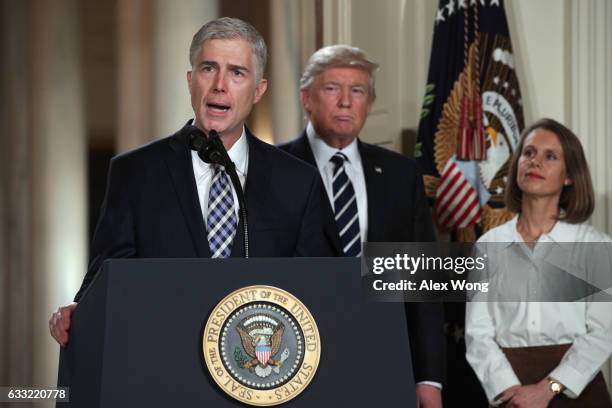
pixel 536 354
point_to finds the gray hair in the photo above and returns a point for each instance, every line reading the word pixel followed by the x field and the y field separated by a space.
pixel 334 56
pixel 227 28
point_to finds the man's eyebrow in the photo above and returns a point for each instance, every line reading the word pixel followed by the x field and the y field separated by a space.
pixel 238 67
pixel 208 63
pixel 336 83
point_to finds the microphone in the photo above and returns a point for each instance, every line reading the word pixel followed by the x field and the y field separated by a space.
pixel 216 151
pixel 210 148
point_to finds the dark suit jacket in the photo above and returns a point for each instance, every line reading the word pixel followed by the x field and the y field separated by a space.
pixel 151 208
pixel 397 212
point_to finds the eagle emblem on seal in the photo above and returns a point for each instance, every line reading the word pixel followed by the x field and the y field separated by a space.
pixel 261 336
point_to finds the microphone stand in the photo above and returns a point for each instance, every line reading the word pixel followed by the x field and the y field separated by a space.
pixel 211 150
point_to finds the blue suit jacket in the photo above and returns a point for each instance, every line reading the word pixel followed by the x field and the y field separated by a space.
pixel 151 208
pixel 397 212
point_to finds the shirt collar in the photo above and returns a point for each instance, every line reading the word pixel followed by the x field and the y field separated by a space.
pixel 561 233
pixel 324 152
pixel 239 153
pixel 510 234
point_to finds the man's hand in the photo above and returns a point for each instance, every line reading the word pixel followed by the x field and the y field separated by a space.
pixel 532 396
pixel 428 396
pixel 59 323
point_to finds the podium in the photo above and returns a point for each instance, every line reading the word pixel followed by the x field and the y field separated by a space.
pixel 136 335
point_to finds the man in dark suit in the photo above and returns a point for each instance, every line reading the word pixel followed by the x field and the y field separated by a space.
pixel 371 194
pixel 163 201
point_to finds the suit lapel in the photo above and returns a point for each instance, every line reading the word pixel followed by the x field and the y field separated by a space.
pixel 256 189
pixel 254 185
pixel 375 188
pixel 180 166
pixel 256 167
pixel 302 150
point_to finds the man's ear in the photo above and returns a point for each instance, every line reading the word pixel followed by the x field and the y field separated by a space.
pixel 371 100
pixel 189 73
pixel 306 102
pixel 260 89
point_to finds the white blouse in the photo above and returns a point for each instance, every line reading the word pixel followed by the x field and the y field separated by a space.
pixel 490 326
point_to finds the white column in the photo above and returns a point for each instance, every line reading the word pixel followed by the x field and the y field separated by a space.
pixel 591 101
pixel 538 30
pixel 175 23
pixel 285 70
pixel 337 20
pixel 134 73
pixel 418 23
pixel 59 231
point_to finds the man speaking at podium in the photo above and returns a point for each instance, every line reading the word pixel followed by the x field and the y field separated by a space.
pixel 163 201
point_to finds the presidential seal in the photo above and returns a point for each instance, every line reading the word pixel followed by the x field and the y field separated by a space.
pixel 261 345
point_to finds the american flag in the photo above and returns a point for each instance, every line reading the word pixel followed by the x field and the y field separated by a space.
pixel 457 204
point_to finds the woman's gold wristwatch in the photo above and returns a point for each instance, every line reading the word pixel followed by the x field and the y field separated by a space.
pixel 555 386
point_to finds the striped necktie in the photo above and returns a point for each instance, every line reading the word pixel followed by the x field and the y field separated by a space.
pixel 221 220
pixel 345 208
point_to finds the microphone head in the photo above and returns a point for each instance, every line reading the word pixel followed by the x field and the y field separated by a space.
pixel 209 147
pixel 197 138
pixel 216 151
pixel 216 157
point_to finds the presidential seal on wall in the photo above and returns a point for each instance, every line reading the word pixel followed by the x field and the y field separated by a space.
pixel 261 345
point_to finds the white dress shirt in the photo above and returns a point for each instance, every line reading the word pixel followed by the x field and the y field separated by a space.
pixel 354 170
pixel 493 325
pixel 203 172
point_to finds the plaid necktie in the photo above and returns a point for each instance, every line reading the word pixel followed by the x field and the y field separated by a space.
pixel 345 208
pixel 221 220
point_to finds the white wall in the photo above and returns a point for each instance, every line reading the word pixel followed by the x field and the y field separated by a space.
pixel 539 33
